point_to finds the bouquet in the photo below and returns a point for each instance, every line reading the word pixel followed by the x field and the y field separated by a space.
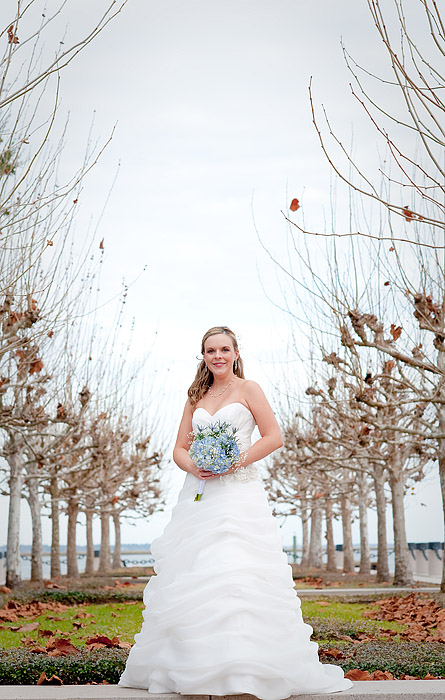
pixel 215 449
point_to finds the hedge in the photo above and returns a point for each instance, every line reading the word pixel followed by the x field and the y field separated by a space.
pixel 22 667
pixel 410 658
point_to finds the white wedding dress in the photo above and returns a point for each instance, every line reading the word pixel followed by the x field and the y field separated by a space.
pixel 222 616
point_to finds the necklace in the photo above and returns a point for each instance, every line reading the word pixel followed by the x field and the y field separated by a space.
pixel 221 392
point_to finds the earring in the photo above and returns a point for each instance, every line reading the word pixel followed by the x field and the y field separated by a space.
pixel 235 365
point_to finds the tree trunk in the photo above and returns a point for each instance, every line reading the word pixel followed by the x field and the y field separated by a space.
pixel 330 545
pixel 13 562
pixel 55 528
pixel 117 553
pixel 382 546
pixel 348 548
pixel 105 556
pixel 315 547
pixel 442 486
pixel 36 521
pixel 402 571
pixel 71 546
pixel 89 564
pixel 305 536
pixel 365 557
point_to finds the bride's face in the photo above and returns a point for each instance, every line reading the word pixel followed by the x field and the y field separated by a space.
pixel 219 354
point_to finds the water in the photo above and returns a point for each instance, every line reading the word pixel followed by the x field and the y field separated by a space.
pixel 144 558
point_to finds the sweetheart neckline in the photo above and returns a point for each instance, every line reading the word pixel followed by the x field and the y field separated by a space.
pixel 232 403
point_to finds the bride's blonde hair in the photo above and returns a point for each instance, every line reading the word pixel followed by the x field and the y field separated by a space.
pixel 204 377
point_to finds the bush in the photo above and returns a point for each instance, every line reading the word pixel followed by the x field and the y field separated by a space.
pixel 22 667
pixel 74 597
pixel 410 658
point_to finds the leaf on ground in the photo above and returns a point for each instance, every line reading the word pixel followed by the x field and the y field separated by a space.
pixel 46 633
pixel 101 641
pixel 5 589
pixel 356 674
pixel 13 611
pixel 420 614
pixel 60 647
pixel 381 676
pixel 53 680
pixel 29 627
pixel 324 603
pixel 332 653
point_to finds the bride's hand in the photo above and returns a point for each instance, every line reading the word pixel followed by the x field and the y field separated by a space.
pixel 203 474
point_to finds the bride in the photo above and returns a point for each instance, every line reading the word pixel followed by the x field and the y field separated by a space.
pixel 222 616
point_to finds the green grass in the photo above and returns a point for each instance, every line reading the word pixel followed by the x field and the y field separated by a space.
pixel 330 620
pixel 119 619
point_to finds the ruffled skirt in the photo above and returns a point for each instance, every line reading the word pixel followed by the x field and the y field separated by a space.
pixel 222 616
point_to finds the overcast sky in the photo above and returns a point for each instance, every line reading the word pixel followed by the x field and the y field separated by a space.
pixel 213 137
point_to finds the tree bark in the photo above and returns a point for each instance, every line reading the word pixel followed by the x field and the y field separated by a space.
pixel 330 544
pixel 402 571
pixel 89 564
pixel 348 548
pixel 36 522
pixel 315 547
pixel 382 546
pixel 55 527
pixel 305 536
pixel 365 557
pixel 117 553
pixel 13 562
pixel 105 555
pixel 71 547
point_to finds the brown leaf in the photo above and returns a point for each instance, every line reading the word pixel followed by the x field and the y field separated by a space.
pixel 53 680
pixel 381 676
pixel 395 331
pixel 35 366
pixel 101 244
pixel 5 589
pixel 29 627
pixel 294 205
pixel 356 674
pixel 333 653
pixel 12 37
pixel 61 647
pixel 408 214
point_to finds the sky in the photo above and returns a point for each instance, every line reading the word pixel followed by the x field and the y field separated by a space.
pixel 213 138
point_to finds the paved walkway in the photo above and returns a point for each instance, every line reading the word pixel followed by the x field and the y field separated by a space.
pixel 364 690
pixel 364 591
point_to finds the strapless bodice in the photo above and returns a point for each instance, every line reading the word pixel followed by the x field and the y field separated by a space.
pixel 239 417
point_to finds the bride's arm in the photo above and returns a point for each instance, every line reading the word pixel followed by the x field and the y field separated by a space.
pixel 181 450
pixel 271 438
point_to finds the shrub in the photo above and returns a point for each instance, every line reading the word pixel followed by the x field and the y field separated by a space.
pixel 22 667
pixel 410 658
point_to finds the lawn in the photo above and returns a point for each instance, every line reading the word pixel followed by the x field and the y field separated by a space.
pixel 81 622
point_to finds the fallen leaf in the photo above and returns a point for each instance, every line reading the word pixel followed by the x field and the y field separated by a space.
pixel 53 680
pixel 356 674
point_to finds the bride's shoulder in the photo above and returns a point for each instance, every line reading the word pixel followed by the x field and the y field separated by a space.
pixel 251 389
